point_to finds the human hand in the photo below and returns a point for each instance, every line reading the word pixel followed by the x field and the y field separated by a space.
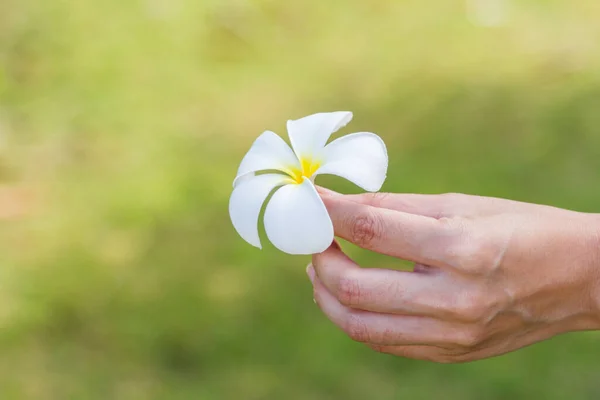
pixel 491 275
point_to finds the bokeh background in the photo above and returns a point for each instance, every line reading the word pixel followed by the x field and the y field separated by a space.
pixel 122 123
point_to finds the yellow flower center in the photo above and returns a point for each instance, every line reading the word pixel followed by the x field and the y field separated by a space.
pixel 308 168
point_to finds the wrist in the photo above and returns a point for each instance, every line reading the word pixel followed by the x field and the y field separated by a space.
pixel 595 264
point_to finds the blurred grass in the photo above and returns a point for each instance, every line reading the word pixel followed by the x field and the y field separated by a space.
pixel 121 127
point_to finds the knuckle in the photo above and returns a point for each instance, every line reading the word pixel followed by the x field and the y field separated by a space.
pixel 466 251
pixel 471 306
pixel 356 328
pixel 454 229
pixel 365 229
pixel 349 290
pixel 471 249
pixel 449 203
pixel 470 338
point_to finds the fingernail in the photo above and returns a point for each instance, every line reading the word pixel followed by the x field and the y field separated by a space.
pixel 310 271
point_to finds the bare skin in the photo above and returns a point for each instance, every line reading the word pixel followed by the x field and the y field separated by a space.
pixel 491 275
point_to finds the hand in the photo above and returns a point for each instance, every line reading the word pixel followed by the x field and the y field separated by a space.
pixel 490 275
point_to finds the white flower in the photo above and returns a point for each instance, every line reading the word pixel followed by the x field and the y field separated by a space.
pixel 296 220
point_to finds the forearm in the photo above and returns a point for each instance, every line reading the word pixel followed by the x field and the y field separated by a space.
pixel 576 269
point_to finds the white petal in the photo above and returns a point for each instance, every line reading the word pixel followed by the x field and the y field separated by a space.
pixel 297 221
pixel 243 178
pixel 268 152
pixel 360 158
pixel 246 201
pixel 309 135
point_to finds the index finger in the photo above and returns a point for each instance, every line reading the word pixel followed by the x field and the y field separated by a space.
pixel 411 237
pixel 429 205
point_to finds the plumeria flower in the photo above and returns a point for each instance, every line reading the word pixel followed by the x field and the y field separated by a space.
pixel 296 220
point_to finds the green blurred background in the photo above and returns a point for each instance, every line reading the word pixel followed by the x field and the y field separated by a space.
pixel 122 123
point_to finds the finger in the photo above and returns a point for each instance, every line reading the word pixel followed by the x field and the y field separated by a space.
pixel 382 290
pixel 412 237
pixel 426 353
pixel 384 329
pixel 429 205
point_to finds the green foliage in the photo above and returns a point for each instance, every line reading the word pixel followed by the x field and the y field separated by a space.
pixel 121 126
